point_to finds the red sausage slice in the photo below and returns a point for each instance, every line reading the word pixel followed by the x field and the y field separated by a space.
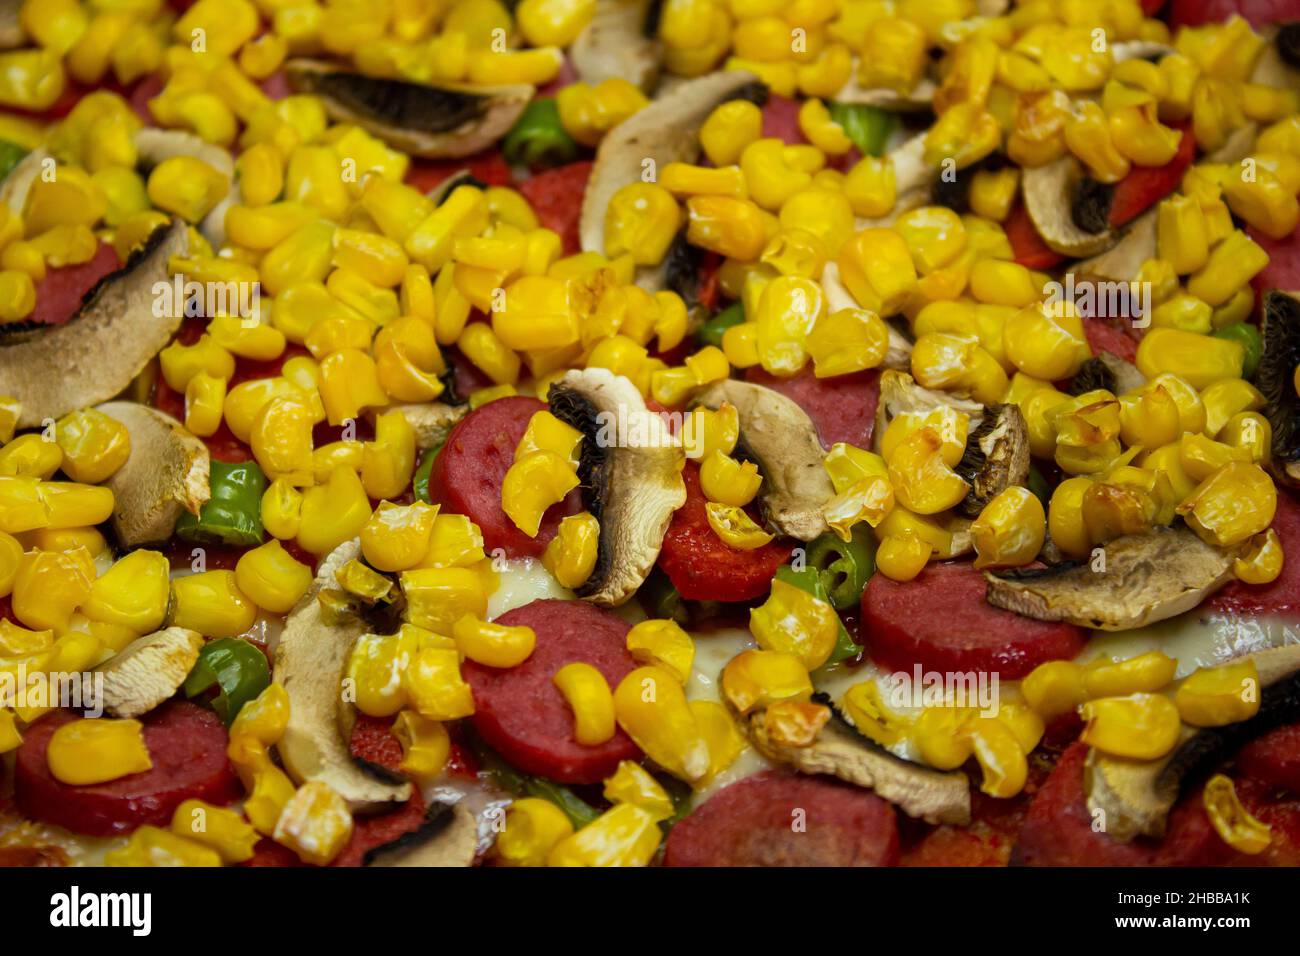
pixel 518 711
pixel 1273 758
pixel 373 742
pixel 369 832
pixel 1282 595
pixel 843 408
pixel 778 819
pixel 941 621
pixel 1103 336
pixel 1058 828
pixel 59 294
pixel 556 197
pixel 187 745
pixel 469 470
pixel 1283 269
pixel 700 564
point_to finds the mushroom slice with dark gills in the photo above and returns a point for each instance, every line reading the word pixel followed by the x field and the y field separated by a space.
pixel 104 345
pixel 900 395
pixel 1275 379
pixel 779 437
pixel 1137 795
pixel 1049 192
pixel 631 477
pixel 1147 577
pixel 666 131
pixel 619 43
pixel 447 837
pixel 996 457
pixel 311 659
pixel 165 475
pixel 435 122
pixel 1106 371
pixel 431 421
pixel 1122 261
pixel 934 796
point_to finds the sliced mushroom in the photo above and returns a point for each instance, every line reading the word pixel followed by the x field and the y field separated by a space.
pixel 165 474
pixel 631 477
pixel 779 437
pixel 148 671
pixel 664 132
pixel 899 395
pixel 1147 577
pixel 1136 796
pixel 16 186
pixel 107 342
pixel 618 43
pixel 1107 371
pixel 1049 192
pixel 1279 64
pixel 913 181
pixel 1121 262
pixel 310 661
pixel 12 35
pixel 1239 144
pixel 1275 379
pixel 840 751
pixel 1140 50
pixel 432 421
pixel 154 145
pixel 996 457
pixel 899 353
pixel 437 122
pixel 448 837
pixel 917 98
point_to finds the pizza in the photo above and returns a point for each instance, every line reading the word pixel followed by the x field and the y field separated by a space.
pixel 603 433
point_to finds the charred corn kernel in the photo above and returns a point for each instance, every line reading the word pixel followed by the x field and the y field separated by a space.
pixel 709 430
pixel 729 129
pixel 1088 136
pixel 271 578
pixel 31 456
pixel 1181 236
pixel 1261 561
pixel 204 397
pixel 1009 532
pixel 426 745
pixel 1055 687
pixel 22 508
pixel 17 295
pixel 180 363
pixel 212 604
pixel 537 312
pixel 74 505
pixel 1000 756
pixel 1231 265
pixel 964 134
pixel 332 512
pixel 396 538
pixel 624 835
pixel 1136 726
pixel 901 557
pixel 132 593
pixel 589 697
pixel 532 829
pixel 360 580
pixel 1145 673
pixel 1217 696
pixel 1150 418
pixel 571 554
pixel 89 751
pixel 795 622
pixel 1231 820
pixel 186 187
pixel 534 483
pixel 315 823
pixel 870 186
pixel 49 586
pixel 437 598
pixel 735 528
pixel 651 707
pixel 434 685
pixel 281 440
pixel 922 481
pixel 641 220
pixel 727 226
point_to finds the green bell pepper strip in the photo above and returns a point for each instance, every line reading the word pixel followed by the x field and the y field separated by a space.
pixel 11 154
pixel 579 811
pixel 1038 485
pixel 233 513
pixel 236 668
pixel 420 481
pixel 711 332
pixel 843 566
pixel 1251 343
pixel 869 127
pixel 538 138
pixel 809 580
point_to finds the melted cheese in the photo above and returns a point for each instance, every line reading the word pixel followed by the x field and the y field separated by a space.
pixel 521 581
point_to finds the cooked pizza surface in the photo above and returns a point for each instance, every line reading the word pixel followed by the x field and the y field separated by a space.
pixel 632 433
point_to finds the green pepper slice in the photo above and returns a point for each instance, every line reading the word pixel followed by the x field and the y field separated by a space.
pixel 420 480
pixel 1039 486
pixel 869 127
pixel 844 566
pixel 579 811
pixel 538 138
pixel 1251 343
pixel 236 668
pixel 809 579
pixel 711 332
pixel 11 154
pixel 233 513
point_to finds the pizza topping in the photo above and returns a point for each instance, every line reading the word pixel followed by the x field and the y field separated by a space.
pixel 420 119
pixel 149 670
pixel 448 836
pixel 630 471
pixel 782 441
pixel 1146 577
pixel 1276 380
pixel 1048 192
pixel 996 457
pixel 618 43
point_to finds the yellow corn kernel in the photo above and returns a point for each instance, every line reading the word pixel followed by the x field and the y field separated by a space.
pixel 396 538
pixel 49 585
pixel 533 827
pixel 641 220
pixel 943 736
pixel 1045 342
pixel 651 707
pixel 894 55
pixel 89 751
pixel 426 745
pixel 315 823
pixel 205 395
pixel 965 134
pixel 534 483
pixel 1088 136
pixel 1055 688
pixel 624 835
pixel 730 482
pixel 901 557
pixel 1009 532
pixel 1136 726
pixel 263 718
pixel 73 505
pixel 332 512
pixel 281 509
pixel 1261 562
pixel 922 481
pixel 1001 758
pixel 1233 504
pixel 708 430
pixel 633 784
pixel 734 527
pixel 152 846
pixel 436 598
pixel 993 192
pixel 212 604
pixel 10 409
pixel 186 187
pixel 435 687
pixel 571 554
pixel 795 252
pixel 375 669
pixel 876 267
pixel 11 555
pixel 132 593
pixel 31 456
pixel 219 828
pixel 180 363
pixel 795 622
pixel 1231 820
pixel 730 128
pixel 1181 235
pixel 846 341
pixel 1231 265
pixel 271 578
pixel 870 186
pixel 589 697
pixel 24 258
pixel 22 507
pixel 281 440
pixel 1217 696
pixel 494 645
pixel 1145 673
pixel 454 542
pixel 730 227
